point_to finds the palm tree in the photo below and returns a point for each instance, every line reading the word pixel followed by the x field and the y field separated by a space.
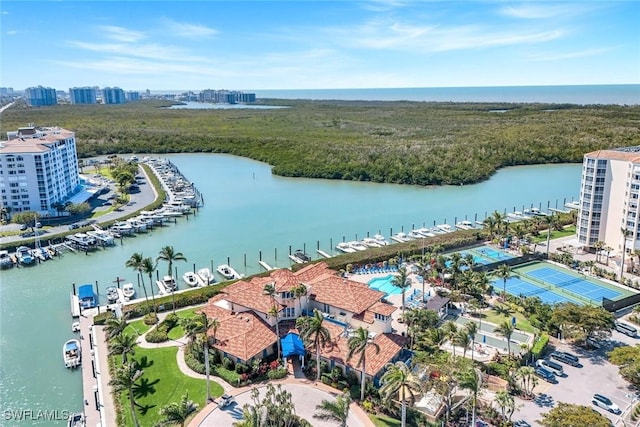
pixel 208 325
pixel 136 262
pixel 315 332
pixel 402 282
pixel 177 413
pixel 337 410
pixel 450 330
pixel 123 344
pixel 192 327
pixel 599 245
pixel 148 267
pixel 471 380
pixel 270 290
pixel 462 339
pixel 625 235
pixel 124 379
pixel 397 378
pixel 169 255
pixel 298 292
pixel 114 326
pixel 506 402
pixel 489 224
pixel 505 329
pixel 503 272
pixel 528 377
pixel 358 343
pixel 471 329
pixel 549 221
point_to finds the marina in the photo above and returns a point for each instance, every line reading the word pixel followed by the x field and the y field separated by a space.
pixel 232 231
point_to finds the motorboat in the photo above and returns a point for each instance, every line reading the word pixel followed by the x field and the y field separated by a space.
pixel 358 246
pixel 371 242
pixel 415 234
pixel 72 353
pixel 167 285
pixel 24 257
pixel 5 260
pixel 128 291
pixel 381 240
pixel 112 294
pixel 426 232
pixel 400 237
pixel 191 279
pixel 345 247
pixel 465 225
pixel 122 227
pixel 228 272
pixel 75 327
pixel 86 296
pixel 102 236
pixel 302 256
pixel 445 228
pixel 206 276
pixel 137 225
pixel 77 419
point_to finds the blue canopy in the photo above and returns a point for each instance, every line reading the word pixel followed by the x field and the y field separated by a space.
pixel 292 345
pixel 87 296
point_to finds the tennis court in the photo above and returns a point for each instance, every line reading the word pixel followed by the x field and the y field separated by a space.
pixel 520 287
pixel 485 254
pixel 575 284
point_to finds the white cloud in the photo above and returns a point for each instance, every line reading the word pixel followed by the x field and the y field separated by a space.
pixel 187 30
pixel 546 10
pixel 568 55
pixel 121 34
pixel 147 50
pixel 11 32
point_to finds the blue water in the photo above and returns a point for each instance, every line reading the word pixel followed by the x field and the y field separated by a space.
pixel 583 94
pixel 384 284
pixel 211 106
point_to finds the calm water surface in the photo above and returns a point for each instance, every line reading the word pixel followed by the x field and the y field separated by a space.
pixel 247 211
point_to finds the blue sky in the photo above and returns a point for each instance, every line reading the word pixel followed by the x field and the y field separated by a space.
pixel 317 44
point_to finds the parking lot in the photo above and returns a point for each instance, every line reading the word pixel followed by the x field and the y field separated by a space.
pixel 579 385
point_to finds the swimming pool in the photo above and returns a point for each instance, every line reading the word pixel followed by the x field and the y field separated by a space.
pixel 384 284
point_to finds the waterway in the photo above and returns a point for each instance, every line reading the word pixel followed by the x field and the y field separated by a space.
pixel 247 211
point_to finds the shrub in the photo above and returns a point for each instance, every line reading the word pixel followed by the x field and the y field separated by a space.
pixel 150 319
pixel 540 345
pixel 227 363
pixel 171 321
pixel 193 363
pixel 276 374
pixel 241 368
pixel 156 335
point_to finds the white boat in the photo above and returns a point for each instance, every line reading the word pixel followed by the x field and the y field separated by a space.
pixel 191 279
pixel 72 354
pixel 426 232
pixel 75 327
pixel 381 240
pixel 77 419
pixel 535 212
pixel 445 228
pixel 228 272
pixel 24 257
pixel 38 254
pixel 572 205
pixel 137 225
pixel 358 246
pixel 206 276
pixel 415 234
pixel 167 285
pixel 104 237
pixel 371 242
pixel 400 237
pixel 344 247
pixel 122 227
pixel 128 291
pixel 465 225
pixel 112 294
pixel 5 259
pixel 177 206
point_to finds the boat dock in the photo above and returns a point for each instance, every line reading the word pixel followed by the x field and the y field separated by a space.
pixel 323 253
pixel 75 305
pixel 97 401
pixel 265 265
pixel 552 210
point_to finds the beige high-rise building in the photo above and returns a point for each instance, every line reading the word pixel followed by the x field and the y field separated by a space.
pixel 609 192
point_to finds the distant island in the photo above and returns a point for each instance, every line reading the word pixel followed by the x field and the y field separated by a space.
pixel 417 143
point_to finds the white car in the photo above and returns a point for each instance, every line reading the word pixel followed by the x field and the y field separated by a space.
pixel 605 403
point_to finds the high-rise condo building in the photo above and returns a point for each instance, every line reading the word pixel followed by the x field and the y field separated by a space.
pixel 609 193
pixel 38 169
pixel 83 95
pixel 113 95
pixel 40 96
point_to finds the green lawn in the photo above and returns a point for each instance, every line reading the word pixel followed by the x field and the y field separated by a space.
pixel 384 421
pixel 555 234
pixel 178 332
pixel 164 384
pixel 136 327
pixel 497 317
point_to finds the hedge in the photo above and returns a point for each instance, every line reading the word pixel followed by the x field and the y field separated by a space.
pixel 540 345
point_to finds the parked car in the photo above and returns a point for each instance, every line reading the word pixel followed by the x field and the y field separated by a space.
pixel 521 423
pixel 552 366
pixel 564 357
pixel 605 403
pixel 225 400
pixel 546 375
pixel 73 226
pixel 593 343
pixel 626 329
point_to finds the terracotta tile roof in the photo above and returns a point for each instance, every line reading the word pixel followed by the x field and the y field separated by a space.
pixel 380 307
pixel 344 294
pixel 313 271
pixel 390 345
pixel 250 295
pixel 633 157
pixel 243 335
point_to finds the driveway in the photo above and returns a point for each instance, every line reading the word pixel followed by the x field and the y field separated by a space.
pixel 304 397
pixel 596 375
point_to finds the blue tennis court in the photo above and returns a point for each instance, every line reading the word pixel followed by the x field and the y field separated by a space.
pixel 492 254
pixel 574 284
pixel 476 258
pixel 518 287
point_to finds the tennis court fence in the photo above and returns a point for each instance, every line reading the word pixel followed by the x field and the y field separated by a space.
pixel 547 286
pixel 613 306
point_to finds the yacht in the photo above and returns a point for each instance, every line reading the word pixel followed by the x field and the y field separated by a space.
pixel 5 259
pixel 122 227
pixel 24 257
pixel 426 232
pixel 415 234
pixel 358 246
pixel 128 291
pixel 400 237
pixel 344 247
pixel 206 276
pixel 104 237
pixel 76 419
pixel 112 294
pixel 445 228
pixel 191 279
pixel 137 225
pixel 302 256
pixel 228 272
pixel 465 225
pixel 71 353
pixel 381 240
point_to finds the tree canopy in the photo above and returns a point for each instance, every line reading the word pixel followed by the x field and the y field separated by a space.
pixel 582 321
pixel 628 358
pixel 569 415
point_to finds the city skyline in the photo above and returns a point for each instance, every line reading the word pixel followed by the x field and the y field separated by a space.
pixel 167 45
